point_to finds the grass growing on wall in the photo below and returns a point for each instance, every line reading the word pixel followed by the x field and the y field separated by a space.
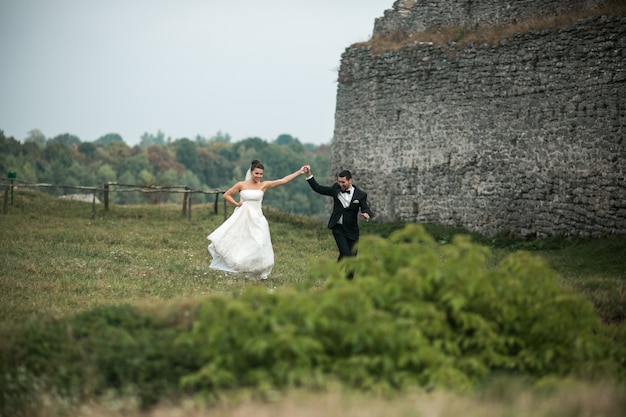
pixel 490 35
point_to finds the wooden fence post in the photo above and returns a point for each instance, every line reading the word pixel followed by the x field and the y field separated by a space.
pixel 93 205
pixel 215 205
pixel 185 198
pixel 225 210
pixel 189 194
pixel 106 196
pixel 5 209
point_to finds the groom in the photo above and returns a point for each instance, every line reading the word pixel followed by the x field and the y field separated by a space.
pixel 347 201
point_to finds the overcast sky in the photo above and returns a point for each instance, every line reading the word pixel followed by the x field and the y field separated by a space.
pixel 185 67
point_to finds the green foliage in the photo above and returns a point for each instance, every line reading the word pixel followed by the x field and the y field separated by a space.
pixel 108 139
pixel 512 317
pixel 417 314
pixel 36 137
pixel 148 139
pixel 137 164
pixel 108 348
pixel 66 139
pixel 88 149
pixel 8 146
pixel 187 154
pixel 200 165
pixel 58 152
pixel 105 174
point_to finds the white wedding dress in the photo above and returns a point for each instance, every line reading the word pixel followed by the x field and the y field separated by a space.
pixel 242 244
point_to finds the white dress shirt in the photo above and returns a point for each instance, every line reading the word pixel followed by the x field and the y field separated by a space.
pixel 345 199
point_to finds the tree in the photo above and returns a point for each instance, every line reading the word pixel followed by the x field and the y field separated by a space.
pixel 115 153
pixel 147 180
pixel 221 137
pixel 37 137
pixel 130 197
pixel 57 151
pixel 285 139
pixel 256 144
pixel 8 147
pixel 88 149
pixel 55 172
pixel 249 149
pixel 212 167
pixel 9 163
pixel 28 173
pixel 106 173
pixel 136 164
pixel 200 164
pixel 170 178
pixel 66 139
pixel 191 180
pixel 162 159
pixel 32 150
pixel 187 154
pixel 108 138
pixel 148 139
pixel 78 174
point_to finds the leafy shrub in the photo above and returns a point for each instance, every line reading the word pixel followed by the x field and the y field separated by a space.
pixel 110 348
pixel 416 314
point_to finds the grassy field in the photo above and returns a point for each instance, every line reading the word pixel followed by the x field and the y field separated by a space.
pixel 57 261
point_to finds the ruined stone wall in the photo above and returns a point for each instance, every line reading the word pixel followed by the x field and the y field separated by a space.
pixel 410 16
pixel 527 137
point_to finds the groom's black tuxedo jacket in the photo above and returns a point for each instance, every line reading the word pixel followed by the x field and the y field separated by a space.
pixel 350 213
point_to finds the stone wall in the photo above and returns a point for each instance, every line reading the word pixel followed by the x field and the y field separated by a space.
pixel 409 16
pixel 524 138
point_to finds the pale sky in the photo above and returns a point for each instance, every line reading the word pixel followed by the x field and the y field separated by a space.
pixel 185 67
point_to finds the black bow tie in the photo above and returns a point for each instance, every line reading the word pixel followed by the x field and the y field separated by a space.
pixel 346 191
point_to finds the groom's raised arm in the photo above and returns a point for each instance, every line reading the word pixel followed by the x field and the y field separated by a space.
pixel 320 189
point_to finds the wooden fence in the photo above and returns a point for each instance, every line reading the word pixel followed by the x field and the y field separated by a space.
pixel 110 187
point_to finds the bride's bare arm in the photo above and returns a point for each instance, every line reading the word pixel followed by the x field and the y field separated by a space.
pixel 228 195
pixel 284 180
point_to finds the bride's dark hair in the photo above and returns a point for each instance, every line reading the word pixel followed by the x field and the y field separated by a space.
pixel 256 164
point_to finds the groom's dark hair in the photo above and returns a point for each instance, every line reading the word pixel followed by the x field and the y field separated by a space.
pixel 345 174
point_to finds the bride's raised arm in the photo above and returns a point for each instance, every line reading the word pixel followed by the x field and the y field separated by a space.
pixel 284 180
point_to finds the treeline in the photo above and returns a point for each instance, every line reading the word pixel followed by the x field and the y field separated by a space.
pixel 201 164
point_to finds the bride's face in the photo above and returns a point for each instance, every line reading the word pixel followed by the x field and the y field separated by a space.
pixel 257 174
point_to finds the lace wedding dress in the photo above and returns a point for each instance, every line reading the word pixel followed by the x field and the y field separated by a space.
pixel 242 244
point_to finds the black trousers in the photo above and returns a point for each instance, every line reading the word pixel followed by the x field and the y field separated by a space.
pixel 345 244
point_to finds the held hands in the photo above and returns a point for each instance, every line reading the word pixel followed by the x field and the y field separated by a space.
pixel 306 169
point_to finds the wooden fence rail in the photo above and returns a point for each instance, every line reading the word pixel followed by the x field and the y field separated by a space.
pixel 106 189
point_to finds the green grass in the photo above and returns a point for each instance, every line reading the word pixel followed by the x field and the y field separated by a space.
pixel 57 260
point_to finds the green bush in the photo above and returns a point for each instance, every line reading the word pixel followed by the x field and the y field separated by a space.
pixel 416 314
pixel 108 349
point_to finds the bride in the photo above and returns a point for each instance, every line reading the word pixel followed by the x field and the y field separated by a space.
pixel 242 244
